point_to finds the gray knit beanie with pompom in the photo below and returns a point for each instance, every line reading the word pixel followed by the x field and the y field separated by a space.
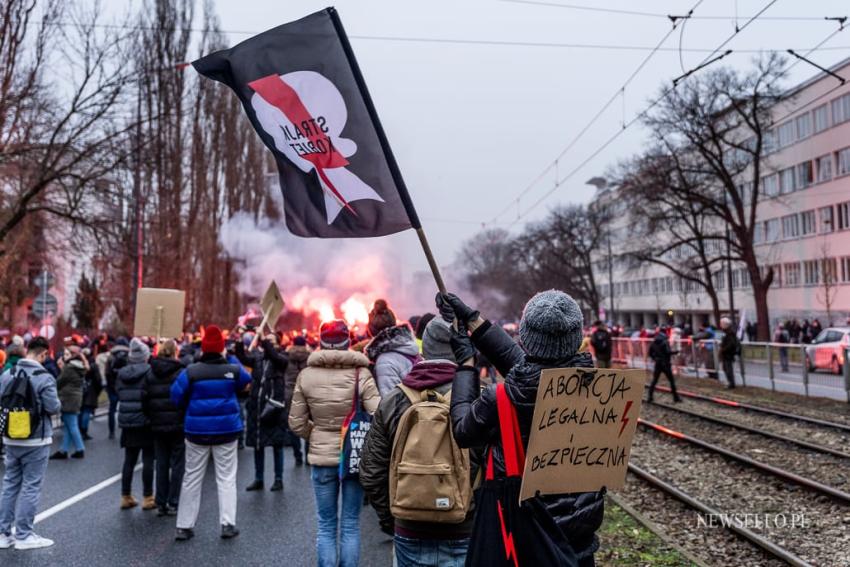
pixel 552 325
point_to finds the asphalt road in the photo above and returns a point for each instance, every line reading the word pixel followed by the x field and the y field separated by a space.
pixel 276 528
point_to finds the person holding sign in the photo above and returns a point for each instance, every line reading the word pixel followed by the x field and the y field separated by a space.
pixel 550 333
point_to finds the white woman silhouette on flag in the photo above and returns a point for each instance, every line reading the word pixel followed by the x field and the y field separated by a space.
pixel 305 113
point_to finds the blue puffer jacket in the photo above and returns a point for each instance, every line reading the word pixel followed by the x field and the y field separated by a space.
pixel 212 410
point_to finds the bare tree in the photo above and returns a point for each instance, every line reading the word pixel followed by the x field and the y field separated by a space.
pixel 828 280
pixel 719 125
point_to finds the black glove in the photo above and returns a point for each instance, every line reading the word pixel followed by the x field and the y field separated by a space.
pixel 461 344
pixel 462 312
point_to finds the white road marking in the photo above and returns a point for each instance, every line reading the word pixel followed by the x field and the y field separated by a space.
pixel 52 511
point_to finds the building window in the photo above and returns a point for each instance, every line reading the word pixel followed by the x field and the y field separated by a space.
pixel 841 109
pixel 821 115
pixel 790 226
pixel 843 215
pixel 777 275
pixel 769 142
pixel 771 230
pixel 827 223
pixel 824 168
pixel 804 126
pixel 758 233
pixel 842 159
pixel 805 175
pixel 786 134
pixel 845 269
pixel 811 272
pixel 792 274
pixel 770 185
pixel 786 181
pixel 829 270
pixel 807 222
pixel 736 279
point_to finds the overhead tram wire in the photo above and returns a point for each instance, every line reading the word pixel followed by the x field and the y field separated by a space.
pixel 586 8
pixel 618 93
pixel 638 117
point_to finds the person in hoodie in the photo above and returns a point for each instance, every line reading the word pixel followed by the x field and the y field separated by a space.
pixel 166 423
pixel 393 350
pixel 550 333
pixel 136 435
pixel 26 459
pixel 117 360
pixel 207 390
pixel 70 388
pixel 416 543
pixel 297 354
pixel 323 397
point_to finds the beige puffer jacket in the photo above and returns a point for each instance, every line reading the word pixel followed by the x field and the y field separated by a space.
pixel 322 398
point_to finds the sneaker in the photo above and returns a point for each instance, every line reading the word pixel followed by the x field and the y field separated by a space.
pixel 79 455
pixel 33 541
pixel 184 534
pixel 277 486
pixel 256 485
pixel 58 455
pixel 229 531
pixel 6 541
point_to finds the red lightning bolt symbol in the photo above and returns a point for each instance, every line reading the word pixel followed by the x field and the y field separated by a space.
pixel 510 549
pixel 625 420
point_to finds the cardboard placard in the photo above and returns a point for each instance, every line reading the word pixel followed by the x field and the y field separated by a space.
pixel 581 436
pixel 271 304
pixel 159 312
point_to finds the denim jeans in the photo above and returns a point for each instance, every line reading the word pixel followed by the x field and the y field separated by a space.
pixel 411 552
pixel 113 408
pixel 71 421
pixel 85 419
pixel 25 468
pixel 326 485
pixel 260 462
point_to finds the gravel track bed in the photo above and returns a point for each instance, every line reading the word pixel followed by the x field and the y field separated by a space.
pixel 826 436
pixel 824 468
pixel 731 487
pixel 679 522
pixel 819 408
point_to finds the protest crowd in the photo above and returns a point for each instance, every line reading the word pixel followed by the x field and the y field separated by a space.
pixel 406 417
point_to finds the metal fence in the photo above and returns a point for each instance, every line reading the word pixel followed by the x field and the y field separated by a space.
pixel 777 366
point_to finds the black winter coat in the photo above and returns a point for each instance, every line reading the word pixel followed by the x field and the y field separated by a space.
pixel 475 421
pixel 163 416
pixel 130 386
pixel 729 345
pixel 117 360
pixel 659 350
pixel 267 382
pixel 92 387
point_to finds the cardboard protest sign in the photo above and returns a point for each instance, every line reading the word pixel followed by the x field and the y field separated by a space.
pixel 159 312
pixel 271 304
pixel 581 436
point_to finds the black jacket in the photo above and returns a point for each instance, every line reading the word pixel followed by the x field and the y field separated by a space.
pixel 163 416
pixel 92 386
pixel 475 421
pixel 729 345
pixel 600 340
pixel 267 382
pixel 117 360
pixel 659 350
pixel 130 386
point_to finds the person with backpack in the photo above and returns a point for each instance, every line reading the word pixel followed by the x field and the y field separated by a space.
pixel 393 350
pixel 550 334
pixel 426 503
pixel 335 383
pixel 136 435
pixel 660 353
pixel 601 342
pixel 166 423
pixel 298 353
pixel 28 398
pixel 117 360
pixel 70 389
pixel 207 390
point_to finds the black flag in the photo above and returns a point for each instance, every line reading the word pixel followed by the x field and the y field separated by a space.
pixel 303 92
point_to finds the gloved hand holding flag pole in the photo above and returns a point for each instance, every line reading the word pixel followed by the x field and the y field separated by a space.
pixel 304 94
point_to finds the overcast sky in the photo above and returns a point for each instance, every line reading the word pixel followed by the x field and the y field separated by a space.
pixel 473 125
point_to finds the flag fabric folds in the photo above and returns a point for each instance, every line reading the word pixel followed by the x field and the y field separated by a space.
pixel 303 92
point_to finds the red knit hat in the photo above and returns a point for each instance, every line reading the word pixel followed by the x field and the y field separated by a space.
pixel 334 335
pixel 213 340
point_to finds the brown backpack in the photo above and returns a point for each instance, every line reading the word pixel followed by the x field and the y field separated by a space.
pixel 429 473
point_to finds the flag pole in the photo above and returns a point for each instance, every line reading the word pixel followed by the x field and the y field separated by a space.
pixel 388 153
